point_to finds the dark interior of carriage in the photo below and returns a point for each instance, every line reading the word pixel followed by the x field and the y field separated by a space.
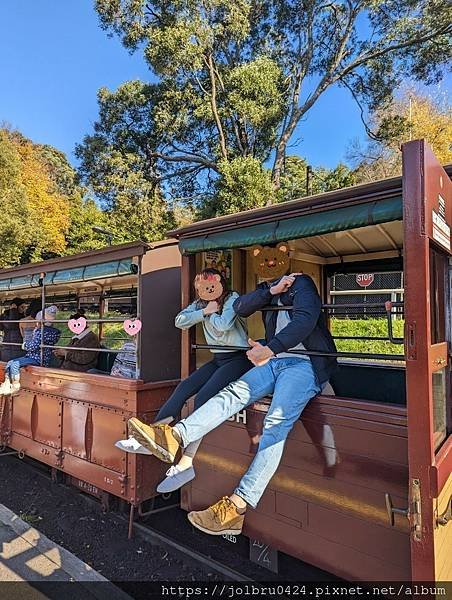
pixel 372 382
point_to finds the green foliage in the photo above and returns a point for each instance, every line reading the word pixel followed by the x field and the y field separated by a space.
pixel 117 164
pixel 371 327
pixel 45 212
pixel 294 183
pixel 84 215
pixel 244 184
pixel 34 212
pixel 235 79
pixel 15 222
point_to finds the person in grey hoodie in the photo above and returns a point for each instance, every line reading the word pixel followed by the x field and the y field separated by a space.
pixel 213 309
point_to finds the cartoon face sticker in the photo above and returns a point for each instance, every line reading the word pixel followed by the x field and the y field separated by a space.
pixel 208 287
pixel 132 327
pixel 271 263
pixel 77 325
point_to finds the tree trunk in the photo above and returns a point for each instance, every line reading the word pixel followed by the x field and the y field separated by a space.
pixel 278 165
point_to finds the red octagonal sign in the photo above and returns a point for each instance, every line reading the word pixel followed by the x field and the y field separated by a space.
pixel 365 279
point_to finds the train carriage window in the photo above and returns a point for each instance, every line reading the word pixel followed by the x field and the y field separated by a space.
pixel 439 289
pixel 439 389
pixel 438 278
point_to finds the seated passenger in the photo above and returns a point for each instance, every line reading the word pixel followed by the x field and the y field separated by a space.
pixel 292 379
pixel 80 360
pixel 11 330
pixel 213 308
pixel 50 336
pixel 27 325
pixel 125 364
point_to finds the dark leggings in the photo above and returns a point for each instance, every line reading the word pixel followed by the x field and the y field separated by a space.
pixel 206 381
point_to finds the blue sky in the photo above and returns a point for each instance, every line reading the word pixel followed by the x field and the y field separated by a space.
pixel 54 56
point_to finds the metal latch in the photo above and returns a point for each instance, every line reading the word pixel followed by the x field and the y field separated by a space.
pixel 416 510
pixel 447 514
pixel 413 513
pixel 393 510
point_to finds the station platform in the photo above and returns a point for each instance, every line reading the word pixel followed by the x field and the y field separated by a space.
pixel 32 567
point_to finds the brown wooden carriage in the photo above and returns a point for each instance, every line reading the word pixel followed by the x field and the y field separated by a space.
pixel 364 488
pixel 71 420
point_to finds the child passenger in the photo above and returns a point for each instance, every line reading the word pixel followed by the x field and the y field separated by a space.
pixel 222 327
pixel 50 336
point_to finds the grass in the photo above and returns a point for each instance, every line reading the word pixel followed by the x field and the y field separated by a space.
pixel 30 518
pixel 367 327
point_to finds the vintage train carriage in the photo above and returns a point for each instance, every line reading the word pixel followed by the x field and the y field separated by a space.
pixel 364 488
pixel 71 420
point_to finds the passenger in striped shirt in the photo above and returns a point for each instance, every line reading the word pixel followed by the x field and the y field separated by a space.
pixel 125 364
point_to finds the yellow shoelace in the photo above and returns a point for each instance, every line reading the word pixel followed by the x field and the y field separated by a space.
pixel 220 509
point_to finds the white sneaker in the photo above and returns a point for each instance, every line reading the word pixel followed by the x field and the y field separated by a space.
pixel 5 388
pixel 133 446
pixel 15 388
pixel 175 479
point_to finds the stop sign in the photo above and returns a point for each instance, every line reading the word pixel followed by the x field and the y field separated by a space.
pixel 364 279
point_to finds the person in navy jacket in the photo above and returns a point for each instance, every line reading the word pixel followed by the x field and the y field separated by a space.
pixel 293 379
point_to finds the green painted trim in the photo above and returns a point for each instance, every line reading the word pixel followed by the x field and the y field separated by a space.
pixel 340 219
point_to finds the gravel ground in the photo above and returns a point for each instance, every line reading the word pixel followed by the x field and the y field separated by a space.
pixel 79 525
pixel 77 522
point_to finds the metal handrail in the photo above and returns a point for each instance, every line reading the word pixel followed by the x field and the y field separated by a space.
pixel 381 305
pixel 388 306
pixel 393 340
pixel 361 337
pixel 66 320
pixel 79 348
pixel 397 357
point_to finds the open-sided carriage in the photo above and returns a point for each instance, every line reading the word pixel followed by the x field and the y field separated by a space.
pixel 364 489
pixel 71 420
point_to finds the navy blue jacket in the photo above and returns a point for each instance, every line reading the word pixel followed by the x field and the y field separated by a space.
pixel 307 325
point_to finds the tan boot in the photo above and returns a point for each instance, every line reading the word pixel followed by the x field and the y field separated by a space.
pixel 159 439
pixel 219 519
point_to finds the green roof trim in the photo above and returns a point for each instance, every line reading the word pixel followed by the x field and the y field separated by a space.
pixel 99 271
pixel 339 219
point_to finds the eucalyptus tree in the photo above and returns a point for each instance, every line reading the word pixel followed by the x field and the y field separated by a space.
pixel 234 79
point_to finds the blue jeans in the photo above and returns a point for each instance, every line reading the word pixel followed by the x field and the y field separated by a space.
pixel 12 368
pixel 292 382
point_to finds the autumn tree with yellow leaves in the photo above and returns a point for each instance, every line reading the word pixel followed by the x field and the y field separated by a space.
pixel 48 209
pixel 412 115
pixel 43 210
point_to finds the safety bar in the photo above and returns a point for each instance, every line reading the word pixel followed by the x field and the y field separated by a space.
pixel 388 306
pixel 307 352
pixel 63 320
pixel 76 349
pixel 394 340
pixel 361 337
pixel 79 348
pixel 339 306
